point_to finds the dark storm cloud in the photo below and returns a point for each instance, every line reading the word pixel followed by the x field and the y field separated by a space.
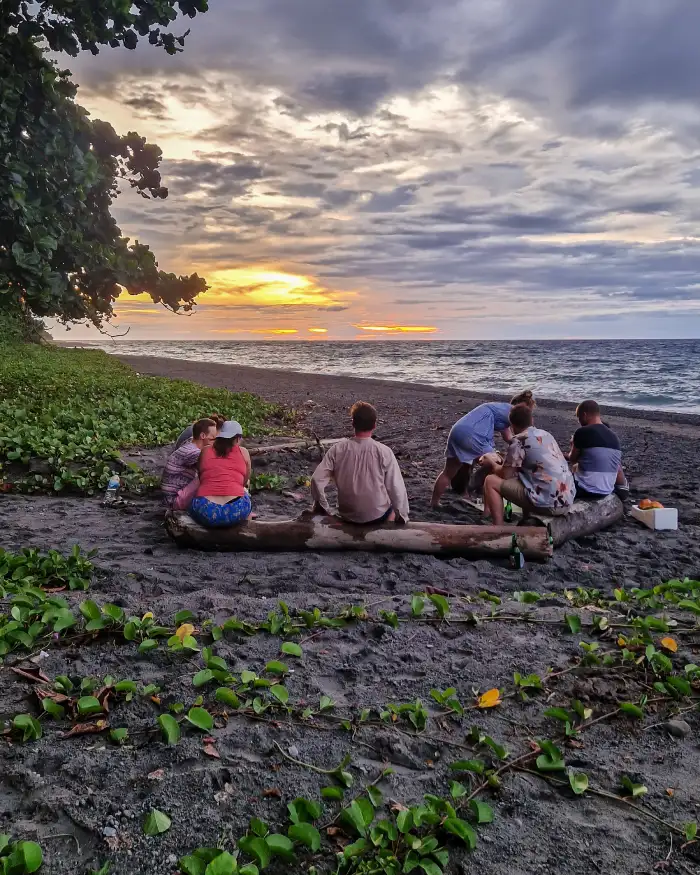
pixel 613 52
pixel 358 93
pixel 530 152
pixel 148 105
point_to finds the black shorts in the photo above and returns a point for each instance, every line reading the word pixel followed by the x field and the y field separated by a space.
pixel 382 519
pixel 584 495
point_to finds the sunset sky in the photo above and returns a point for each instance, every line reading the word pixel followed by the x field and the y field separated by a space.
pixel 407 169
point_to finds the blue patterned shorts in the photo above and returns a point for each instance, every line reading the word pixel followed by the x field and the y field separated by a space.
pixel 214 516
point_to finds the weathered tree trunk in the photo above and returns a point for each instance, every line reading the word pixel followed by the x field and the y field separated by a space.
pixel 584 518
pixel 300 444
pixel 318 532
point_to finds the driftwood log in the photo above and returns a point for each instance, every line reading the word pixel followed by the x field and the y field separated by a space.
pixel 319 532
pixel 295 445
pixel 584 518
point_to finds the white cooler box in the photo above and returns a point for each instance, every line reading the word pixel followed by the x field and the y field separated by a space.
pixel 658 518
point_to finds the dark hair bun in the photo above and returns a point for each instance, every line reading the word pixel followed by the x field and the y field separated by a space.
pixel 525 397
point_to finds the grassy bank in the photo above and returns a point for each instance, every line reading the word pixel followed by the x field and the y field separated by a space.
pixel 66 413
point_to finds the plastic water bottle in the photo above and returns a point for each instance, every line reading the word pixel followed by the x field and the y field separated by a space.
pixel 112 489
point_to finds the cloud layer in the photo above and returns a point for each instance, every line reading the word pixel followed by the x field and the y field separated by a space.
pixel 478 166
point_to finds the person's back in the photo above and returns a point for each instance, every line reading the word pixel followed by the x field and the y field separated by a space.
pixel 600 457
pixel 180 469
pixel 224 470
pixel 484 420
pixel 360 467
pixel 542 469
pixel 179 480
pixel 222 475
pixel 596 454
pixel 366 474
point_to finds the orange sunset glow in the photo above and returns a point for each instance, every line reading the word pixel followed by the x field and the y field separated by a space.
pixel 267 288
pixel 399 329
pixel 252 287
pixel 281 331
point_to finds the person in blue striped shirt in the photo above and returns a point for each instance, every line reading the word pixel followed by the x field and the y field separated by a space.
pixel 596 456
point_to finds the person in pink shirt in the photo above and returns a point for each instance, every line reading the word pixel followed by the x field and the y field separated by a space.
pixel 366 474
pixel 222 497
pixel 180 481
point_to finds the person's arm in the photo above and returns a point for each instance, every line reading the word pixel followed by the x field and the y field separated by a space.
pixel 248 466
pixel 320 479
pixel 396 489
pixel 513 461
pixel 199 460
pixel 578 442
pixel 507 435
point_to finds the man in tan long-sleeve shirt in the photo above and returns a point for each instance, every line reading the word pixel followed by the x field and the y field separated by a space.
pixel 366 474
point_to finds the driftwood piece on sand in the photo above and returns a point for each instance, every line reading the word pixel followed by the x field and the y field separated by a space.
pixel 584 518
pixel 319 532
pixel 301 444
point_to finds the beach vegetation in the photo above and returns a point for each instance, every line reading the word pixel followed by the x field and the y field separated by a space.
pixel 156 823
pixel 291 648
pixel 18 858
pixel 270 482
pixel 350 821
pixel 65 415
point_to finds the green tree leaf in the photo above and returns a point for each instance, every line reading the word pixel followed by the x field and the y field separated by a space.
pixel 305 834
pixel 203 677
pixel 632 710
pixel 578 782
pixel 417 605
pixel 256 848
pixel 280 693
pixel 223 864
pixel 192 865
pixel 227 697
pixel 88 705
pixel 573 621
pixel 482 811
pixel 280 846
pixel 304 810
pixel 170 728
pixel 276 667
pixel 156 822
pixel 119 735
pixel 200 718
pixel 460 828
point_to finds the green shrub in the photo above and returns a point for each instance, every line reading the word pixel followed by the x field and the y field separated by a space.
pixel 66 413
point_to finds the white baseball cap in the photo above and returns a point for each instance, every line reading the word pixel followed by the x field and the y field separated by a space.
pixel 230 429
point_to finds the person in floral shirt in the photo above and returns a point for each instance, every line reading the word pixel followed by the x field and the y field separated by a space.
pixel 534 475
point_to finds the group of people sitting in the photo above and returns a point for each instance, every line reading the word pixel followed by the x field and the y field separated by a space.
pixel 534 474
pixel 208 473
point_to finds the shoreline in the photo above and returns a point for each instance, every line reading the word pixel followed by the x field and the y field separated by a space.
pixel 675 412
pixel 237 378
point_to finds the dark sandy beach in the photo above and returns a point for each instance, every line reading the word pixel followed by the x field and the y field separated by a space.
pixel 80 789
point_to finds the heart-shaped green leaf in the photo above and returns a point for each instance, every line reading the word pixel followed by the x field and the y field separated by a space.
pixel 156 822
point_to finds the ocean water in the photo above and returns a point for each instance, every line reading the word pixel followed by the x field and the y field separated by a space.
pixel 651 374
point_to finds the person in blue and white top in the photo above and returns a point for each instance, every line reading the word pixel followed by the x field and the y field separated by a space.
pixel 472 438
pixel 596 456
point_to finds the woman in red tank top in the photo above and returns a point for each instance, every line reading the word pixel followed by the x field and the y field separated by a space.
pixel 224 472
